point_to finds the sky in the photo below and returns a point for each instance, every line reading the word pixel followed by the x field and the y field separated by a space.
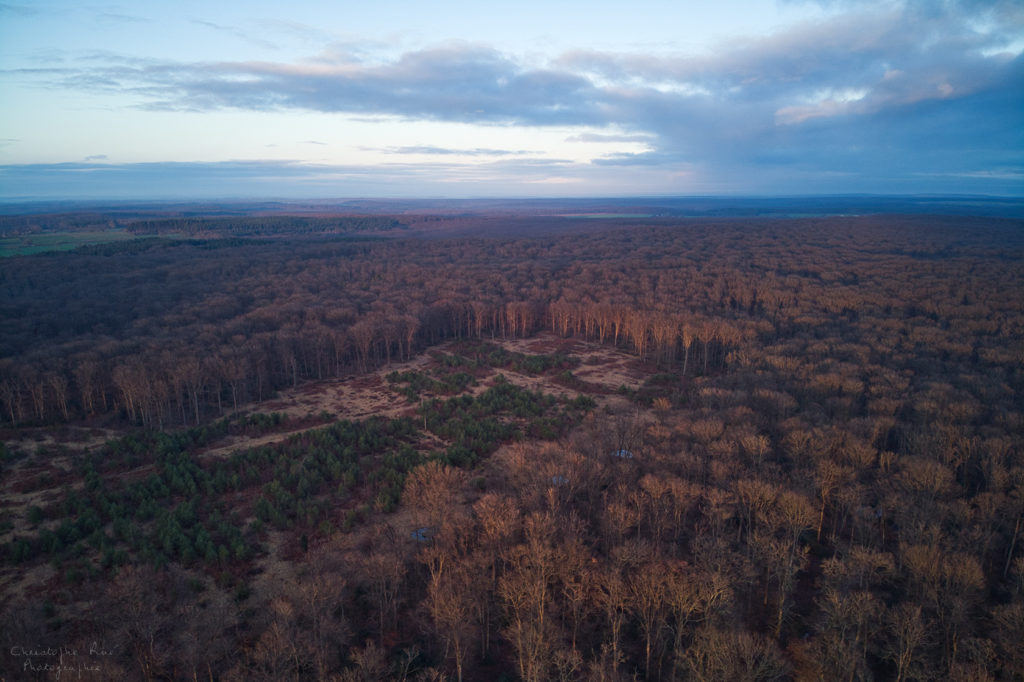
pixel 299 99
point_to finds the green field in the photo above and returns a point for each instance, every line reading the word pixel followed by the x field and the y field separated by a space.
pixel 58 241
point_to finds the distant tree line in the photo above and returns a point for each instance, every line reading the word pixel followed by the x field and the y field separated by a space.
pixel 264 225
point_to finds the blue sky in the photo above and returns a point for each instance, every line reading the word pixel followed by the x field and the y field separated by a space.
pixel 152 99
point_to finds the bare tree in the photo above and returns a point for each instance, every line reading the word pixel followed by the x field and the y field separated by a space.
pixel 648 589
pixel 433 490
pixel 525 590
pixel 449 603
pixel 907 636
pixel 734 655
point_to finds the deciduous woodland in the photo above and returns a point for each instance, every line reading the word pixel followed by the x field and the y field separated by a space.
pixel 618 449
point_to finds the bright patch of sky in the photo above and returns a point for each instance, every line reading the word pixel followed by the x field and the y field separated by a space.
pixel 503 98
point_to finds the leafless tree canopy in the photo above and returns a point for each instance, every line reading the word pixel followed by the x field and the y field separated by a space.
pixel 817 475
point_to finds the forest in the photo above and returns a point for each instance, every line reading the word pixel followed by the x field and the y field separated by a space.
pixel 479 445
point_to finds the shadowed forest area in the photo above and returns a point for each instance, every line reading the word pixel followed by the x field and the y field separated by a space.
pixel 608 447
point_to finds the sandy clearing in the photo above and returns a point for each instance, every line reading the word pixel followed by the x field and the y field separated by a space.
pixel 357 398
pixel 50 438
pixel 603 368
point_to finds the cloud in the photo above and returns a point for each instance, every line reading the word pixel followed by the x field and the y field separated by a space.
pixel 235 32
pixel 119 18
pixel 641 159
pixel 228 179
pixel 451 83
pixel 159 180
pixel 900 85
pixel 19 10
pixel 892 58
pixel 447 151
pixel 298 32
pixel 502 177
pixel 608 138
pixel 96 157
pixel 1014 174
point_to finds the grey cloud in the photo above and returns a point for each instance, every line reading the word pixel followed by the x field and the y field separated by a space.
pixel 20 10
pixel 602 137
pixel 160 180
pixel 641 159
pixel 455 83
pixel 120 18
pixel 267 179
pixel 446 151
pixel 210 24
